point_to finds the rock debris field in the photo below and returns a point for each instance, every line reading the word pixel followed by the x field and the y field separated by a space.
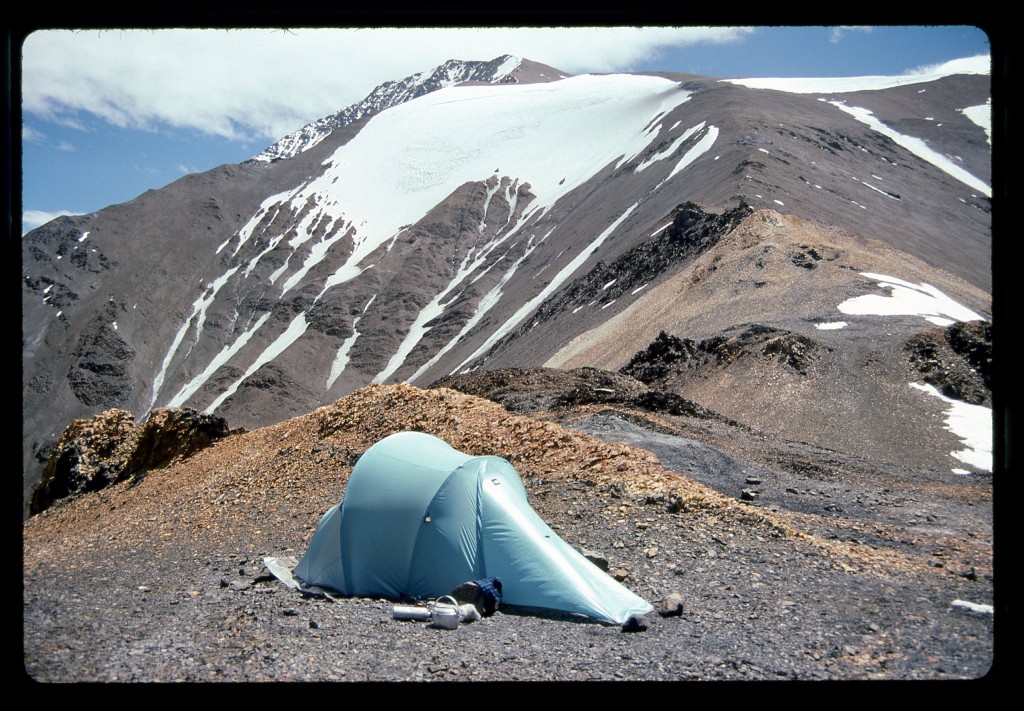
pixel 790 562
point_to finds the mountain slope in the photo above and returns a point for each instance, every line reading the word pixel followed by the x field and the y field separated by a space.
pixel 787 351
pixel 424 239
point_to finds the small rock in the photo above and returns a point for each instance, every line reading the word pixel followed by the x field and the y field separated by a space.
pixel 620 574
pixel 671 605
pixel 596 558
pixel 651 552
pixel 313 625
pixel 748 494
pixel 291 612
pixel 970 574
pixel 143 588
pixel 753 480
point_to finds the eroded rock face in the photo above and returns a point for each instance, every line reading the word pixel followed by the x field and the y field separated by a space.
pixel 95 453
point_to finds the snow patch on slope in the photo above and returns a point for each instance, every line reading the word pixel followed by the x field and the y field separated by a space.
pixel 671 149
pixel 972 424
pixel 486 303
pixel 526 309
pixel 981 115
pixel 907 299
pixel 700 148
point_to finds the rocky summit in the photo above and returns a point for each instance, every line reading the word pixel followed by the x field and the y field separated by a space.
pixel 735 336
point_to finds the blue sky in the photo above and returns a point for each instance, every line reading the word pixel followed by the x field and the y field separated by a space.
pixel 110 114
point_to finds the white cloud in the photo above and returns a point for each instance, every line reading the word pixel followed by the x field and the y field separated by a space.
pixel 65 146
pixel 837 33
pixel 217 81
pixel 31 219
pixel 30 134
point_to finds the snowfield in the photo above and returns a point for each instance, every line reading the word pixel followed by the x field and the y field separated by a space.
pixel 982 64
pixel 549 137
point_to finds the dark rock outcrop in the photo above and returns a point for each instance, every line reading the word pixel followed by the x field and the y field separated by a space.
pixel 95 453
pixel 691 233
pixel 536 389
pixel 670 355
pixel 957 360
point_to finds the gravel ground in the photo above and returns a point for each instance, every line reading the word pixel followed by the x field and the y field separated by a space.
pixel 162 580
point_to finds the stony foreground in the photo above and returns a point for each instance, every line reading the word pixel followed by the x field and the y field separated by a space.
pixel 161 578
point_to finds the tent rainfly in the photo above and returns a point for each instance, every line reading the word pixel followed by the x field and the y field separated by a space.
pixel 419 517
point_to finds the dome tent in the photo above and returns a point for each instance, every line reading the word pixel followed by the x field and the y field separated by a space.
pixel 419 517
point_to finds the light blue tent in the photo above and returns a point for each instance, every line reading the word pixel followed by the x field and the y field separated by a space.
pixel 419 517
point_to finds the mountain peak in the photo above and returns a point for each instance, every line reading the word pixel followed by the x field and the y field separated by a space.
pixel 505 69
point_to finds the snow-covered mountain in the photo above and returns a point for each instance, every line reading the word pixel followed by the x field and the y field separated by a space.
pixel 482 215
pixel 501 70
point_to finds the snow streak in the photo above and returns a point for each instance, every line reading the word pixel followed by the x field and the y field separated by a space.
pixel 341 359
pixel 291 334
pixel 916 146
pixel 199 316
pixel 526 309
pixel 226 354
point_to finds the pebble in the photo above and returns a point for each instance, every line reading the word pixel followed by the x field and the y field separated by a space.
pixel 671 605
